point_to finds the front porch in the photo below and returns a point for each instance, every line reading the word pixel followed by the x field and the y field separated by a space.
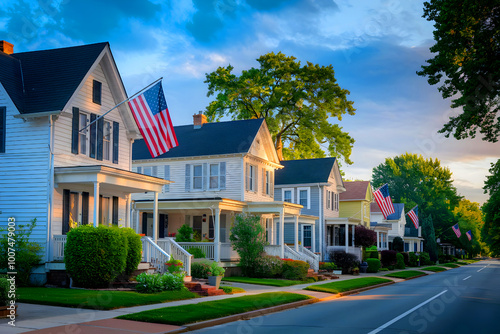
pixel 340 236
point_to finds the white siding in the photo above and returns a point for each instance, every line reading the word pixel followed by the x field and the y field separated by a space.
pixel 83 101
pixel 24 170
pixel 257 195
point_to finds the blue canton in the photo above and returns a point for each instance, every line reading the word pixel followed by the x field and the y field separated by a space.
pixel 155 99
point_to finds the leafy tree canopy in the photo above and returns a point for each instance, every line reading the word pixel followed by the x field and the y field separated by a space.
pixel 467 63
pixel 470 218
pixel 297 102
pixel 490 233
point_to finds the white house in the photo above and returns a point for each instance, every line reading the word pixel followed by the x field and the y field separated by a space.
pixel 53 168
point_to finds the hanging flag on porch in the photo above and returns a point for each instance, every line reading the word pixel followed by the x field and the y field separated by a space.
pixel 384 200
pixel 469 235
pixel 414 216
pixel 456 229
pixel 153 119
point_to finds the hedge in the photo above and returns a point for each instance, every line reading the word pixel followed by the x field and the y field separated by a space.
pixel 373 265
pixel 388 258
pixel 294 269
pixel 134 251
pixel 400 262
pixel 4 291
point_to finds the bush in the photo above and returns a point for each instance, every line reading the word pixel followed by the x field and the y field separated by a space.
pixel 425 259
pixel 406 258
pixel 400 262
pixel 412 259
pixel 388 258
pixel 184 234
pixel 4 292
pixel 364 237
pixel 134 250
pixel 174 266
pixel 200 269
pixel 447 258
pixel 398 244
pixel 373 265
pixel 197 253
pixel 294 269
pixel 248 239
pixel 95 256
pixel 343 260
pixel 151 283
pixel 268 267
pixel 216 270
pixel 28 253
pixel 327 266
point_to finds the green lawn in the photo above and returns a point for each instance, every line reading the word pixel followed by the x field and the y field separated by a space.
pixel 434 269
pixel 264 281
pixel 231 289
pixel 406 274
pixel 186 314
pixel 99 300
pixel 462 263
pixel 450 265
pixel 351 284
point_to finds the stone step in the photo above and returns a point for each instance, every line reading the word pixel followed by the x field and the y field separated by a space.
pixel 203 289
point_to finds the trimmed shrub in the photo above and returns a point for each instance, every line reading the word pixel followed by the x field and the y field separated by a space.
pixel 95 256
pixel 373 265
pixel 374 255
pixel 4 291
pixel 134 250
pixel 294 270
pixel 268 267
pixel 197 253
pixel 406 258
pixel 412 259
pixel 398 244
pixel 343 260
pixel 151 283
pixel 400 262
pixel 327 266
pixel 388 258
pixel 248 239
pixel 425 259
pixel 200 269
pixel 364 237
pixel 184 234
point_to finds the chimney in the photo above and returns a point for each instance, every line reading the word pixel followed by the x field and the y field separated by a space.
pixel 199 119
pixel 6 47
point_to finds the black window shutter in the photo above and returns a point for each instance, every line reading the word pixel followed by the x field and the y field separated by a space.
pixel 65 213
pixel 115 210
pixel 74 130
pixel 93 135
pixel 100 134
pixel 3 126
pixel 85 208
pixel 161 229
pixel 96 92
pixel 116 138
pixel 145 223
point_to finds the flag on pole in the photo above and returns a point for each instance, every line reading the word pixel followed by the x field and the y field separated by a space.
pixel 456 229
pixel 469 235
pixel 384 201
pixel 151 116
pixel 414 216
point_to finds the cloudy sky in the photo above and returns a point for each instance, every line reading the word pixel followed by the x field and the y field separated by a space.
pixel 375 47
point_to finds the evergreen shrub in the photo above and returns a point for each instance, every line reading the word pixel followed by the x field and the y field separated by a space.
pixel 197 253
pixel 134 250
pixel 343 260
pixel 388 258
pixel 400 262
pixel 373 265
pixel 294 269
pixel 268 267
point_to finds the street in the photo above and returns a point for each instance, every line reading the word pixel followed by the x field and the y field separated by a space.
pixel 461 300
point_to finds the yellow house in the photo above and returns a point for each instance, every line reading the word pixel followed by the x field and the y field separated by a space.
pixel 355 201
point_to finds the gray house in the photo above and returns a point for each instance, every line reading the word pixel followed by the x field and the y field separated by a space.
pixel 315 184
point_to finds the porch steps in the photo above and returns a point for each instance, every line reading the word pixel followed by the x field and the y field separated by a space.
pixel 203 289
pixel 320 277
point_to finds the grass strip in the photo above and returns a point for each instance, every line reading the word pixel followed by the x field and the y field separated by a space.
pixel 450 265
pixel 186 314
pixel 97 299
pixel 434 269
pixel 348 285
pixel 462 263
pixel 231 289
pixel 406 274
pixel 265 281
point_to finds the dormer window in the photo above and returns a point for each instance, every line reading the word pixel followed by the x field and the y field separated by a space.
pixel 96 92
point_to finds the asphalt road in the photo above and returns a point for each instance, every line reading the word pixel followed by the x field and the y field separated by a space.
pixel 461 300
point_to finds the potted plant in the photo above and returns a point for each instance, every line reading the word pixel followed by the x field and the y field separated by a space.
pixel 215 274
pixel 355 271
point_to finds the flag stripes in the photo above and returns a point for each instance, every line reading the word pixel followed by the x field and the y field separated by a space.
pixel 384 201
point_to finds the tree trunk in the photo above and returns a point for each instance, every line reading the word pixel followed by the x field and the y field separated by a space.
pixel 279 147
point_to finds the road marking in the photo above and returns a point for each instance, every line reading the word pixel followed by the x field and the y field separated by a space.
pixel 466 278
pixel 483 268
pixel 387 324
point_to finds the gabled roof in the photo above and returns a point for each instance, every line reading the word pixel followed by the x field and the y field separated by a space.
pixel 41 81
pixel 398 208
pixel 355 191
pixel 304 171
pixel 211 139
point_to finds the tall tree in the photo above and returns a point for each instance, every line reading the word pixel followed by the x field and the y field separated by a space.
pixel 414 180
pixel 296 101
pixel 469 218
pixel 491 210
pixel 429 235
pixel 467 63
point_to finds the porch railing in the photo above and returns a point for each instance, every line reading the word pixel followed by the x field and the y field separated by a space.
pixel 59 244
pixel 178 252
pixel 153 254
pixel 313 258
pixel 290 253
pixel 207 247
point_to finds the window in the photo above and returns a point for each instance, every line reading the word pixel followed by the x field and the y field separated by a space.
pixel 96 92
pixel 251 178
pixel 214 176
pixel 148 170
pixel 84 137
pixel 307 236
pixel 287 195
pixel 197 177
pixel 107 141
pixel 303 196
pixel 328 199
pixel 3 123
pixel 166 176
pixel 268 182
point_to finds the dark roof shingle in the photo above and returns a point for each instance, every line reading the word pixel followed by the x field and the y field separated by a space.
pixel 304 171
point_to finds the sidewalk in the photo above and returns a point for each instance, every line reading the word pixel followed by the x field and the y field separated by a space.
pixel 42 319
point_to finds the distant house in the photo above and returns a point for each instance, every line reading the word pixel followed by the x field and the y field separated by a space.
pixel 316 185
pixel 53 168
pixel 218 170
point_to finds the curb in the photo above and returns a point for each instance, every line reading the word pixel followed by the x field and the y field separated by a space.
pixel 243 316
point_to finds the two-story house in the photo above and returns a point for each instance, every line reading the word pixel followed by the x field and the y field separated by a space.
pixel 315 184
pixel 219 170
pixel 57 166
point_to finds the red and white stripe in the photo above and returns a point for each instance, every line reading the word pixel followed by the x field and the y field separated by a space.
pixel 413 218
pixel 385 204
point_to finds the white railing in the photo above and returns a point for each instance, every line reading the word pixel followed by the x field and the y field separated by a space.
pixel 290 253
pixel 227 252
pixel 59 244
pixel 314 258
pixel 170 246
pixel 153 254
pixel 207 247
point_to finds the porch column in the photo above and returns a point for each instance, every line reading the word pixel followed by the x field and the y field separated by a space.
pixel 313 246
pixel 282 233
pixel 378 240
pixel 96 203
pixel 137 217
pixel 346 237
pixel 353 228
pixel 155 217
pixel 127 210
pixel 217 235
pixel 296 233
pixel 272 240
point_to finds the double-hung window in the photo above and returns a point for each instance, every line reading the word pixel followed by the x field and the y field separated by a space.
pixel 251 178
pixel 107 141
pixel 214 182
pixel 84 135
pixel 328 199
pixel 197 177
pixel 304 198
pixel 287 195
pixel 268 182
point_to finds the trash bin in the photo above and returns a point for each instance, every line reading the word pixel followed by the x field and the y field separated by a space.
pixel 363 266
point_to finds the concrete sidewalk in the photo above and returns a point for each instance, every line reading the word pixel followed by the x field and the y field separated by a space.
pixel 42 319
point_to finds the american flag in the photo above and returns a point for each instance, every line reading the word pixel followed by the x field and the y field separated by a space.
pixel 151 116
pixel 384 201
pixel 469 235
pixel 456 229
pixel 414 216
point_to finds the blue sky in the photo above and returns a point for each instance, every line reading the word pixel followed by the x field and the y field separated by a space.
pixel 375 47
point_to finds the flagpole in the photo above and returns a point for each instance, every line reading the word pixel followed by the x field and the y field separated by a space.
pixel 119 104
pixel 411 210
